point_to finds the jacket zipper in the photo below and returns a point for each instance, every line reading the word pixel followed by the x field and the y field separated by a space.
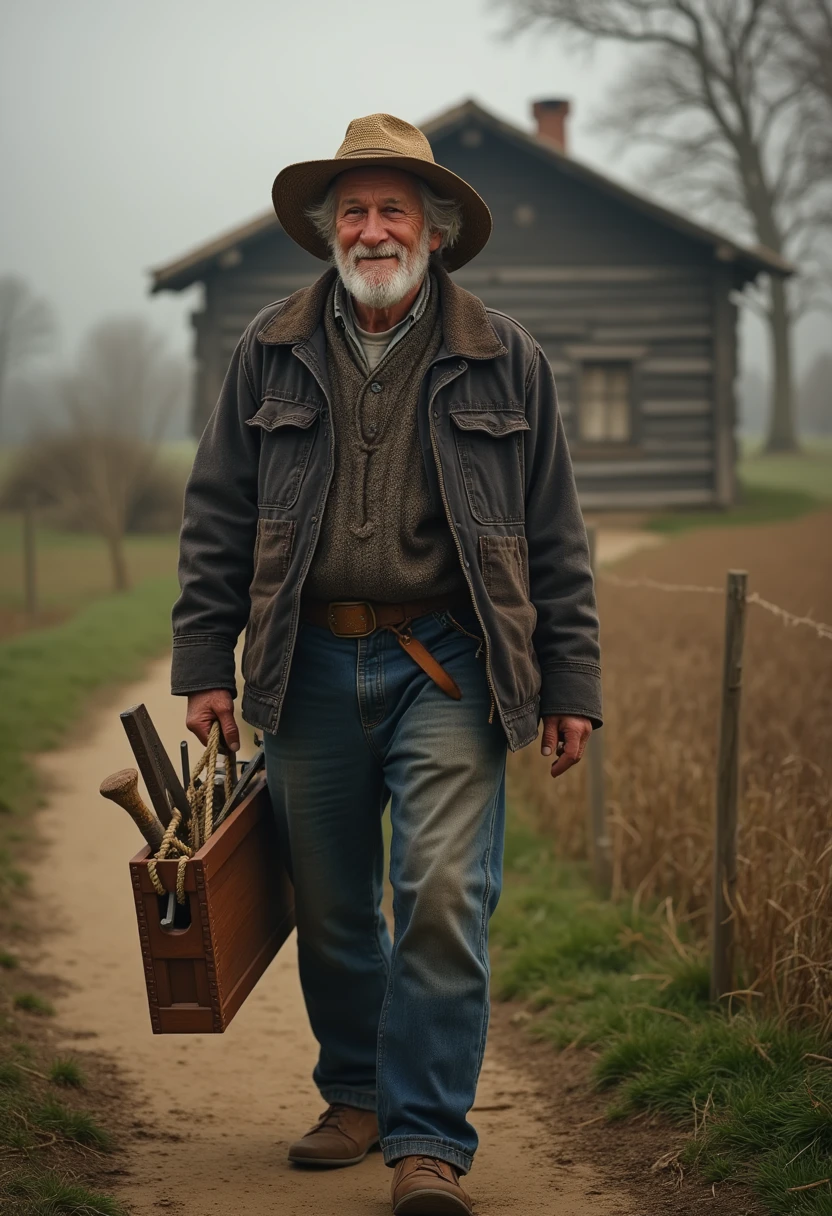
pixel 441 479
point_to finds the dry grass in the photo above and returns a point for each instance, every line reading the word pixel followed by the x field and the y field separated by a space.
pixel 662 669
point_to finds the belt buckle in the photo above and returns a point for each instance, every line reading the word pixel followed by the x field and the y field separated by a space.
pixel 351 604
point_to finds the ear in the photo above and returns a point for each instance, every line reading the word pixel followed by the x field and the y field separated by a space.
pixel 435 241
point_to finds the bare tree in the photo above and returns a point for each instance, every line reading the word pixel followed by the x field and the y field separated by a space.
pixel 27 328
pixel 103 466
pixel 119 402
pixel 709 87
pixel 805 29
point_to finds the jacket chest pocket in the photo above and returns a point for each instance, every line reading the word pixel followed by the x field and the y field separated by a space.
pixel 489 443
pixel 289 429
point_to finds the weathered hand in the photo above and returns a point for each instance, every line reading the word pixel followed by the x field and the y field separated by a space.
pixel 573 731
pixel 205 707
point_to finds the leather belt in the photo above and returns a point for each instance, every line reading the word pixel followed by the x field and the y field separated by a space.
pixel 360 618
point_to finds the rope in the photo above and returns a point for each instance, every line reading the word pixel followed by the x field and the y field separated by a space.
pixel 201 821
pixel 788 618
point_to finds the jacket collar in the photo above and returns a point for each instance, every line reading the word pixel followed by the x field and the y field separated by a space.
pixel 466 328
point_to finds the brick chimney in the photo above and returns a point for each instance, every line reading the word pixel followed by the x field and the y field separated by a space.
pixel 551 114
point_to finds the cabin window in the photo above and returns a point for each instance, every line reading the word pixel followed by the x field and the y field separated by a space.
pixel 605 402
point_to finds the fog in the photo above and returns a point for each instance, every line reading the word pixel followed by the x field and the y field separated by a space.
pixel 131 132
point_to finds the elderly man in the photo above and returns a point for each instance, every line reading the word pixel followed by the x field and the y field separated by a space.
pixel 384 499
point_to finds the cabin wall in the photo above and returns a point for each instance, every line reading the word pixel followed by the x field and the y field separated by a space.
pixel 591 279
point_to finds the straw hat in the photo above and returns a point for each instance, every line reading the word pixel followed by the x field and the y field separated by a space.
pixel 378 139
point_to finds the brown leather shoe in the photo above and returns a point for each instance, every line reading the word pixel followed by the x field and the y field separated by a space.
pixel 343 1135
pixel 427 1186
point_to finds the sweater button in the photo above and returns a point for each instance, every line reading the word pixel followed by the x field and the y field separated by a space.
pixel 375 386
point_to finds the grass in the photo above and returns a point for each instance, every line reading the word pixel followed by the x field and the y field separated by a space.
pixel 67 1072
pixel 759 504
pixel 662 664
pixel 757 1105
pixel 771 488
pixel 72 570
pixel 48 1194
pixel 30 1002
pixel 48 676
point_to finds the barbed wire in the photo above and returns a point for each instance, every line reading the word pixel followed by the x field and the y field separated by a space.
pixel 783 615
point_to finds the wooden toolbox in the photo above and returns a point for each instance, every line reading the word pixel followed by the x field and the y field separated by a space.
pixel 239 912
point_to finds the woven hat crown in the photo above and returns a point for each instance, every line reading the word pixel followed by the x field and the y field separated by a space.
pixel 385 134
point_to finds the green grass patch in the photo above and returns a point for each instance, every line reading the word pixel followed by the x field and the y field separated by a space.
pixel 809 470
pixel 67 1072
pixel 771 489
pixel 600 976
pixel 759 504
pixel 76 1125
pixel 30 1002
pixel 48 1194
pixel 47 674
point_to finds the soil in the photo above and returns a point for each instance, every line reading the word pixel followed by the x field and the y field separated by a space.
pixel 204 1121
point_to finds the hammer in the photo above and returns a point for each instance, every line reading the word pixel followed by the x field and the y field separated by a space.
pixel 123 789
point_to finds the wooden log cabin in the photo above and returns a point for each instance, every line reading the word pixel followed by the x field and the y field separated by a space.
pixel 633 304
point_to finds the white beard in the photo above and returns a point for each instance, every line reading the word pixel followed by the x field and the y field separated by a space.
pixel 379 287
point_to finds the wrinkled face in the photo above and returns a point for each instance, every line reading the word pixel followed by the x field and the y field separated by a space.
pixel 381 246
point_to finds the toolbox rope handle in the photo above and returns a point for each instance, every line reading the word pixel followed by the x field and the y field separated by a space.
pixel 201 822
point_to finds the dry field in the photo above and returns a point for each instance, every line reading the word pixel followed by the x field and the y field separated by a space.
pixel 662 655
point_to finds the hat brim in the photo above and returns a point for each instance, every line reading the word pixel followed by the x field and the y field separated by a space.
pixel 298 186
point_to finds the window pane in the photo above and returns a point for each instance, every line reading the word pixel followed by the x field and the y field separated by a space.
pixel 604 412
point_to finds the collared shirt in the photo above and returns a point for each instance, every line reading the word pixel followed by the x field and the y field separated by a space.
pixel 370 348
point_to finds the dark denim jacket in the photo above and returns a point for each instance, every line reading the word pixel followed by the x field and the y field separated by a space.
pixel 496 459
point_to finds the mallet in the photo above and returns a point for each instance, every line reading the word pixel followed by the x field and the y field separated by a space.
pixel 123 789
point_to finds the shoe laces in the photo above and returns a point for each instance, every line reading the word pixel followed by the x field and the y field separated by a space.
pixel 332 1115
pixel 434 1165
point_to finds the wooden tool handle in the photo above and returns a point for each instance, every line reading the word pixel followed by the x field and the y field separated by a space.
pixel 123 789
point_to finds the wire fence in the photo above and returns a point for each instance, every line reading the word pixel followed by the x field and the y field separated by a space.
pixel 726 898
pixel 787 618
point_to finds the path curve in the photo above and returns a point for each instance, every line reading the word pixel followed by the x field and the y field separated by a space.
pixel 235 1101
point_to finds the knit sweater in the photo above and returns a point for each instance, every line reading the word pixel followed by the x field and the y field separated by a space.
pixel 381 536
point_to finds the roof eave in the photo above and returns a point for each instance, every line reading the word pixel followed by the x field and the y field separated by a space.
pixel 192 266
pixel 757 258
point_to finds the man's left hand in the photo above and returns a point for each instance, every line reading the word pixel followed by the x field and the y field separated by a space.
pixel 573 731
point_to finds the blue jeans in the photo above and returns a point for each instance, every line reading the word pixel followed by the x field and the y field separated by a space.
pixel 401 1025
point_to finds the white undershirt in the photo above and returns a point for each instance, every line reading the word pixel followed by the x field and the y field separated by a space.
pixel 375 345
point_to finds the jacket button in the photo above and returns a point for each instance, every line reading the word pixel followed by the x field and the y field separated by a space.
pixel 375 386
pixel 462 366
pixel 435 414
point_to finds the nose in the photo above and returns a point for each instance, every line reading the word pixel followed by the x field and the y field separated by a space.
pixel 374 230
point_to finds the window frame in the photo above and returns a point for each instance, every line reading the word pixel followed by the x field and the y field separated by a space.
pixel 582 357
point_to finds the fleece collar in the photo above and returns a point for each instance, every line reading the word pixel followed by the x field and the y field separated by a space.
pixel 466 328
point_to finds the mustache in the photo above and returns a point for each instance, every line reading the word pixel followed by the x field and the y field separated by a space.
pixel 388 249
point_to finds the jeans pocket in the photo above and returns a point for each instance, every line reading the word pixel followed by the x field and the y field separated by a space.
pixel 468 625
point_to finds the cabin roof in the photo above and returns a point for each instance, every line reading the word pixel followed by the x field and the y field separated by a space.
pixel 755 259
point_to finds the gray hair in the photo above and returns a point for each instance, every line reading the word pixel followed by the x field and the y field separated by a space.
pixel 442 215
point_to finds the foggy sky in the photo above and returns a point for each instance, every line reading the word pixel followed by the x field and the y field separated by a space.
pixel 130 132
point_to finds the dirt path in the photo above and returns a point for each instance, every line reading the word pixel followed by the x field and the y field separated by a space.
pixel 231 1103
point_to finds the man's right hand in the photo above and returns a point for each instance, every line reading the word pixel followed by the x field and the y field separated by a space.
pixel 206 707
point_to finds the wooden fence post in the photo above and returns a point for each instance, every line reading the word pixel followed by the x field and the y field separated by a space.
pixel 600 843
pixel 29 559
pixel 727 789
